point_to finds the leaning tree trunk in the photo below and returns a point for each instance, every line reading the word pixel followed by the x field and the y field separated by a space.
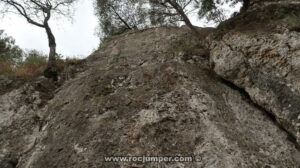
pixel 246 4
pixel 52 47
pixel 185 18
pixel 51 70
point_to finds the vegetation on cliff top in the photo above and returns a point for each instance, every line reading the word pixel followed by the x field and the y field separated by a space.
pixel 15 62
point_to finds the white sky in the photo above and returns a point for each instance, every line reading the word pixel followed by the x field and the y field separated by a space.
pixel 75 38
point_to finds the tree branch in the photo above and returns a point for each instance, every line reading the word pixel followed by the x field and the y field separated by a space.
pixel 121 19
pixel 180 10
pixel 22 11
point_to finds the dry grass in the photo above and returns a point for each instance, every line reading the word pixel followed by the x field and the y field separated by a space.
pixel 63 64
pixel 29 70
pixel 72 61
pixel 6 68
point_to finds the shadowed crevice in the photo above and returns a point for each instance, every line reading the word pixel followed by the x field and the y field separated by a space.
pixel 290 136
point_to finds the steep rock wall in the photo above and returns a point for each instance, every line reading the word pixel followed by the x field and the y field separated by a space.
pixel 148 93
pixel 262 56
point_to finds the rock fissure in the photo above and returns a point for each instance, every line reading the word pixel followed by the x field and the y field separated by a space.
pixel 290 136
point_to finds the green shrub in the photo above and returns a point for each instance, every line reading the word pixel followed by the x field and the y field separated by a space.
pixel 9 52
pixel 35 57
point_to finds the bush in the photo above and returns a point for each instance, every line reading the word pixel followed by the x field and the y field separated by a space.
pixel 15 62
pixel 9 52
pixel 32 64
pixel 35 57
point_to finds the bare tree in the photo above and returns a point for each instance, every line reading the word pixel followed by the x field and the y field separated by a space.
pixel 38 13
pixel 180 10
pixel 176 8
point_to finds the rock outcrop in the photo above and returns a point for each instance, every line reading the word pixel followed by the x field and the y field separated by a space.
pixel 264 61
pixel 158 93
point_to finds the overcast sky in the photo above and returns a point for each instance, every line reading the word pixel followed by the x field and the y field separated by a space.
pixel 75 38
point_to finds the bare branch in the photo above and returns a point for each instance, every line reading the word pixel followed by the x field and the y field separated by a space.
pixel 117 14
pixel 22 11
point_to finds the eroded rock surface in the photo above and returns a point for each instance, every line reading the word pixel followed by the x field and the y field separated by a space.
pixel 157 92
pixel 148 93
pixel 265 62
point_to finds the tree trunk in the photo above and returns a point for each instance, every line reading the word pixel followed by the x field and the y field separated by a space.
pixel 246 4
pixel 51 70
pixel 52 46
pixel 52 58
pixel 180 11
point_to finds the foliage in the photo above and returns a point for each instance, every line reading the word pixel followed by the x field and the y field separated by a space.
pixel 117 16
pixel 211 9
pixel 9 52
pixel 14 62
pixel 162 14
pixel 38 13
pixel 35 57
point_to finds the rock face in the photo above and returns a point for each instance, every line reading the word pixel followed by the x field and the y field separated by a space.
pixel 266 64
pixel 147 93
pixel 158 93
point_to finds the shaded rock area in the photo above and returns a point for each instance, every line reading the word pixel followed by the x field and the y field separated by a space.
pixel 8 84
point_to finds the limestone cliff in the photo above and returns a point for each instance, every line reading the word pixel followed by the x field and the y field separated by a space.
pixel 158 93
